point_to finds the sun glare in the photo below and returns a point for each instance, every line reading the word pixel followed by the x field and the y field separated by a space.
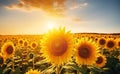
pixel 51 25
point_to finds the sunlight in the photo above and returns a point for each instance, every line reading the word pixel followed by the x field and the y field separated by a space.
pixel 51 25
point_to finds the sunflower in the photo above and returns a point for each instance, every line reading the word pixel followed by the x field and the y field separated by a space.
pixel 118 43
pixel 8 49
pixel 110 45
pixel 101 61
pixel 101 42
pixel 20 41
pixel 96 39
pixel 25 43
pixel 31 71
pixel 57 46
pixel 34 45
pixel 86 52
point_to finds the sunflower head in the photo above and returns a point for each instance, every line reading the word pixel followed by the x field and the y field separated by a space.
pixel 118 42
pixel 86 52
pixel 31 71
pixel 20 41
pixel 101 61
pixel 34 45
pixel 110 45
pixel 96 39
pixel 8 49
pixel 25 43
pixel 101 41
pixel 57 46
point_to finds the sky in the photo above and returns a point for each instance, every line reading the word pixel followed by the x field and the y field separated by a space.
pixel 39 16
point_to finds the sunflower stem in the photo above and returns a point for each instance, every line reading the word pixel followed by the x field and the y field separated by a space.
pixel 84 69
pixel 13 63
pixel 102 51
pixel 78 72
pixel 33 62
pixel 58 70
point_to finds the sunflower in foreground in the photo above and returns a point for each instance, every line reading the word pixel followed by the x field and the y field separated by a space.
pixel 110 45
pixel 102 42
pixel 101 61
pixel 8 49
pixel 57 46
pixel 86 52
pixel 31 71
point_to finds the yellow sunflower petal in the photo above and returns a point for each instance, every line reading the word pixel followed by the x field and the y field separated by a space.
pixel 31 71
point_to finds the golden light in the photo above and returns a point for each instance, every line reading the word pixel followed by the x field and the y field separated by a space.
pixel 51 25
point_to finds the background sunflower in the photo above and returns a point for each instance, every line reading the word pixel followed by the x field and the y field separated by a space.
pixel 101 61
pixel 86 52
pixel 111 44
pixel 8 49
pixel 102 42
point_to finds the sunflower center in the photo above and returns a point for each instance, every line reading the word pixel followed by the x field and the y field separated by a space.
pixel 99 60
pixel 25 43
pixel 102 41
pixel 1 60
pixel 96 39
pixel 110 44
pixel 119 44
pixel 84 52
pixel 33 45
pixel 9 49
pixel 21 42
pixel 59 46
pixel 0 40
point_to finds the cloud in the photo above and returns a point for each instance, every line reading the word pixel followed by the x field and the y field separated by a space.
pixel 77 19
pixel 51 6
pixel 78 6
pixel 45 5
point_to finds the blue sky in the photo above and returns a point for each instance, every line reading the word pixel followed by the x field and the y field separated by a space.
pixel 100 16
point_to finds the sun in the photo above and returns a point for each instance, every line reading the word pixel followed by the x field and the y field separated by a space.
pixel 50 24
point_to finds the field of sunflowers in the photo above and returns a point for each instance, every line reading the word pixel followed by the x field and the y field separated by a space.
pixel 60 52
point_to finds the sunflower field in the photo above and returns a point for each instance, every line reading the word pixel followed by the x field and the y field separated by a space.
pixel 60 52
